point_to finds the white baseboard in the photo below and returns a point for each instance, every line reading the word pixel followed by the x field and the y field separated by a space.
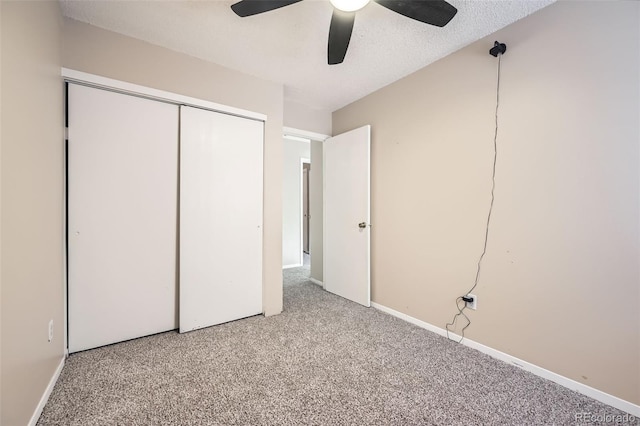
pixel 297 265
pixel 46 394
pixel 320 283
pixel 596 394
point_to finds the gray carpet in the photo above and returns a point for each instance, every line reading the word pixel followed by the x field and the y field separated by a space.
pixel 323 361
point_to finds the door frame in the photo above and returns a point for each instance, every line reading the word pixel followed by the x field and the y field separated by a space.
pixel 79 77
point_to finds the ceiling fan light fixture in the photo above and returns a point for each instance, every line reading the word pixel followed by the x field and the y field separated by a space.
pixel 349 5
pixel 432 12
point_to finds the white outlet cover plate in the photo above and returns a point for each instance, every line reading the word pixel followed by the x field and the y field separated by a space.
pixel 472 305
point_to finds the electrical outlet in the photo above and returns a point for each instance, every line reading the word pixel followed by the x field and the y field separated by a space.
pixel 51 330
pixel 472 305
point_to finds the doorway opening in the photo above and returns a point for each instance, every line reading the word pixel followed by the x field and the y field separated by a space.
pixel 305 211
pixel 302 204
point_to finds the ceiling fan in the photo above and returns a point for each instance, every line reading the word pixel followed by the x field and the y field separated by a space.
pixel 433 12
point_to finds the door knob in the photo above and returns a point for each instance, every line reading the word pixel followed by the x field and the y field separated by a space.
pixel 362 225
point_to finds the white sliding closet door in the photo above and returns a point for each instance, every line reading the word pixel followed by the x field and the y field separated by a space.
pixel 220 218
pixel 122 187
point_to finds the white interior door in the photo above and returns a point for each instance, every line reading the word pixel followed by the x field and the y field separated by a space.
pixel 346 171
pixel 122 180
pixel 220 218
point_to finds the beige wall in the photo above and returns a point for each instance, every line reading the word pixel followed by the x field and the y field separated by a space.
pixel 303 117
pixel 560 283
pixel 31 194
pixel 97 51
pixel 1 403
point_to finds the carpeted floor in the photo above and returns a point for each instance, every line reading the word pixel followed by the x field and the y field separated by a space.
pixel 323 361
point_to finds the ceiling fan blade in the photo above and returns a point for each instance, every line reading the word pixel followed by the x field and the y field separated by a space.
pixel 432 12
pixel 253 7
pixel 339 35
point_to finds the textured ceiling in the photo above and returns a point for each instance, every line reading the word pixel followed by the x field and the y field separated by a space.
pixel 289 45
